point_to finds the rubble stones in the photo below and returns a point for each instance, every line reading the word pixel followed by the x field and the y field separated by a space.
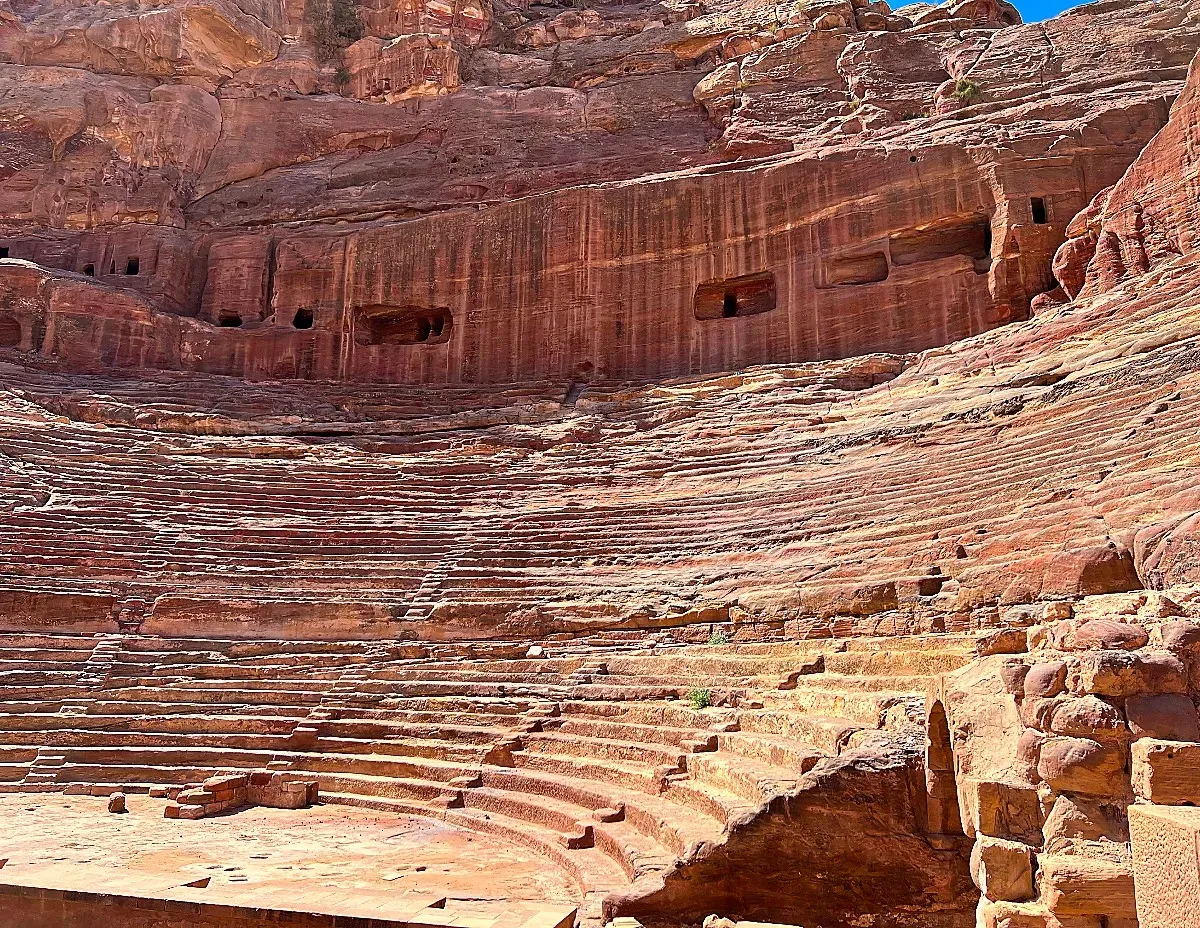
pixel 230 792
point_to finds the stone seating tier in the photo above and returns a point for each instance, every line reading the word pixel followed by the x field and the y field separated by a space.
pixel 592 756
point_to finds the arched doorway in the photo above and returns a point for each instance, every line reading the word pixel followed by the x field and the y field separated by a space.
pixel 944 817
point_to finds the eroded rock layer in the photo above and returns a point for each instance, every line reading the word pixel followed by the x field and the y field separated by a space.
pixel 484 193
pixel 595 428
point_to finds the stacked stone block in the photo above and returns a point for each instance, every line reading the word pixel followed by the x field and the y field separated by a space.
pixel 231 792
pixel 1060 749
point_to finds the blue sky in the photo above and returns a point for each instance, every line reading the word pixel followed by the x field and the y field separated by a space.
pixel 1034 10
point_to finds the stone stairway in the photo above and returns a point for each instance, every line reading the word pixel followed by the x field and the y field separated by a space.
pixel 344 528
pixel 595 757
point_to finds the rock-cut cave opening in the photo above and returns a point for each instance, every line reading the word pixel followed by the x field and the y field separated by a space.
pixel 735 297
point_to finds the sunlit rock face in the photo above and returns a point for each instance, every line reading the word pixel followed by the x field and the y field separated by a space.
pixel 634 191
pixel 600 428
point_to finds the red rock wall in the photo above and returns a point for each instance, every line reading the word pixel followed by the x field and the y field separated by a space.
pixel 882 253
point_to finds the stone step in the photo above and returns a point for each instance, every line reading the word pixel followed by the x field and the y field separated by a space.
pixel 404 747
pixel 776 750
pixel 174 724
pixel 633 851
pixel 376 787
pixel 868 709
pixel 751 779
pixel 608 771
pixel 682 828
pixel 653 755
pixel 828 734
pixel 890 662
pixel 591 868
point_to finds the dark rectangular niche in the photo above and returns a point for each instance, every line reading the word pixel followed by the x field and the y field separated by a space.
pixel 10 332
pixel 403 325
pixel 869 268
pixel 3 251
pixel 968 236
pixel 735 297
pixel 1037 206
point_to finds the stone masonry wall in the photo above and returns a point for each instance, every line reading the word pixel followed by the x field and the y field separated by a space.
pixel 1053 747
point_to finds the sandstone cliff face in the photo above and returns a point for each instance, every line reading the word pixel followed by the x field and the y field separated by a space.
pixel 567 194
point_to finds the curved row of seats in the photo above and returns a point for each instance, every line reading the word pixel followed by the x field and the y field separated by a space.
pixel 634 499
pixel 593 756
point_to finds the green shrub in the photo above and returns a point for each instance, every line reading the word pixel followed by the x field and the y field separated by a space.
pixel 966 90
pixel 717 638
pixel 342 76
pixel 700 698
pixel 335 26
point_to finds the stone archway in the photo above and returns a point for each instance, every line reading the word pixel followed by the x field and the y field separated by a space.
pixel 941 790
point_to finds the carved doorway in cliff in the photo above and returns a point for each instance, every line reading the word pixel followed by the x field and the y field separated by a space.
pixel 941 790
pixel 10 332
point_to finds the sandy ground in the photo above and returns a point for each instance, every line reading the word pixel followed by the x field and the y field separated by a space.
pixel 334 846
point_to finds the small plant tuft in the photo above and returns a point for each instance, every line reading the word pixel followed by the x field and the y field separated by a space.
pixel 342 76
pixel 717 638
pixel 700 698
pixel 966 90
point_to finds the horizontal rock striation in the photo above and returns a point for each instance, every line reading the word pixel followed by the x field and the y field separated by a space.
pixel 596 428
pixel 484 197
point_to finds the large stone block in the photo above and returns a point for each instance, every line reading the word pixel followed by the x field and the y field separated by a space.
pixel 1002 870
pixel 1046 679
pixel 1181 636
pixel 1081 765
pixel 1166 772
pixel 1077 885
pixel 1126 673
pixel 1000 810
pixel 1088 717
pixel 1011 915
pixel 1169 717
pixel 1108 634
pixel 1166 865
pixel 1078 818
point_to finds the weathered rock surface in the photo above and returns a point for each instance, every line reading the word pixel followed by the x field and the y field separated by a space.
pixel 520 326
pixel 478 194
